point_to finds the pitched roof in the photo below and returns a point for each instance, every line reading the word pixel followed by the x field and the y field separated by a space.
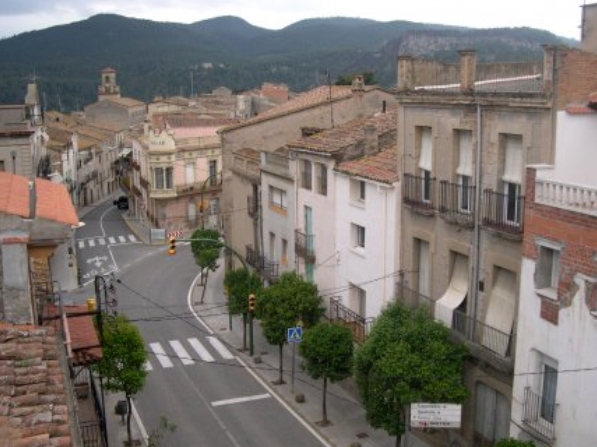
pixel 337 139
pixel 319 95
pixel 380 167
pixel 53 202
pixel 33 400
pixel 85 343
pixel 123 101
pixel 188 119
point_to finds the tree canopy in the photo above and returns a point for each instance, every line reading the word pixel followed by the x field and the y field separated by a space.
pixel 206 253
pixel 282 305
pixel 239 283
pixel 327 351
pixel 123 359
pixel 407 358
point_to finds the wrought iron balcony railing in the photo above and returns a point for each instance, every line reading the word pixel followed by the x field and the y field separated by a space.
pixel 359 325
pixel 267 269
pixel 503 212
pixel 456 203
pixel 539 414
pixel 304 246
pixel 419 193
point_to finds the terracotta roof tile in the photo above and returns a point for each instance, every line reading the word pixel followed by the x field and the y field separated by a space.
pixel 53 202
pixel 381 167
pixel 188 119
pixel 248 153
pixel 312 98
pixel 33 399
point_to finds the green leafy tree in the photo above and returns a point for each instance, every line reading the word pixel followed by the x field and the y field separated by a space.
pixel 327 351
pixel 123 360
pixel 511 442
pixel 206 253
pixel 239 284
pixel 407 358
pixel 282 305
pixel 346 79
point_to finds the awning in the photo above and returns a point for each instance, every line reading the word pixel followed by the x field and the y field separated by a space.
pixel 455 293
pixel 500 312
pixel 126 151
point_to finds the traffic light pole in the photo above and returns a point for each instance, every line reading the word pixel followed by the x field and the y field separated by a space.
pixel 172 247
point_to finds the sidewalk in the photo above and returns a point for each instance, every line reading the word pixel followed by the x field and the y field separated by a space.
pixel 348 426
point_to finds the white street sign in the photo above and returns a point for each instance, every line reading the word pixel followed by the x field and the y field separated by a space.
pixel 425 415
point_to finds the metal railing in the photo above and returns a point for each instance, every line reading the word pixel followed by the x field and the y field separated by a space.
pixel 419 192
pixel 539 414
pixel 266 268
pixel 359 325
pixel 503 212
pixel 304 246
pixel 456 203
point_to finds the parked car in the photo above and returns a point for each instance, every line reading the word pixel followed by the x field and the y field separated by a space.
pixel 122 203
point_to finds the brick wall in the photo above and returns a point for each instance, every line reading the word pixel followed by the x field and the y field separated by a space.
pixel 576 232
pixel 575 78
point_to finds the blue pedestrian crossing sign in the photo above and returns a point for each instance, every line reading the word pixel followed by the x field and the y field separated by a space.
pixel 294 334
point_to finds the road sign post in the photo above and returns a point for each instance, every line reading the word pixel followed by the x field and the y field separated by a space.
pixel 294 335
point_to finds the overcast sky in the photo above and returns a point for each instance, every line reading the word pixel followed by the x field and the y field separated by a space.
pixel 562 17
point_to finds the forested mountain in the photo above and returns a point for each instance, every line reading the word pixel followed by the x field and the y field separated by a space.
pixel 156 58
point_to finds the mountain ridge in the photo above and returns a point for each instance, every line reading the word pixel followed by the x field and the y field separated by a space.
pixel 161 58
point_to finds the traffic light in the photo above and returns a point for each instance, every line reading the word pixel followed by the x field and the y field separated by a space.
pixel 172 246
pixel 252 302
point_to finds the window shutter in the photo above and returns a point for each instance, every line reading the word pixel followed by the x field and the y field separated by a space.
pixel 513 160
pixel 426 158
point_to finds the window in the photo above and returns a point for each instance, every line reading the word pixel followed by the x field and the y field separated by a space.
pixel 425 161
pixel 547 268
pixel 213 172
pixel 422 262
pixel 358 235
pixel 168 179
pixel 272 246
pixel 358 300
pixel 284 252
pixel 464 170
pixel 492 415
pixel 512 178
pixel 2 168
pixel 277 197
pixel 358 190
pixel 159 178
pixel 306 174
pixel 190 173
pixel 548 392
pixel 322 179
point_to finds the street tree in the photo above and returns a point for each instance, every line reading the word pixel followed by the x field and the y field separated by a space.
pixel 511 442
pixel 206 253
pixel 123 360
pixel 283 304
pixel 407 358
pixel 327 351
pixel 239 284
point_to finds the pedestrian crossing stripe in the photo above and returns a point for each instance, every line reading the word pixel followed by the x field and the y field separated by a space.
pixel 111 240
pixel 91 242
pixel 183 354
pixel 95 241
pixel 102 241
pixel 121 238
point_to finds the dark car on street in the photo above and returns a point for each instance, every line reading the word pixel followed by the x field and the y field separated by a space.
pixel 122 203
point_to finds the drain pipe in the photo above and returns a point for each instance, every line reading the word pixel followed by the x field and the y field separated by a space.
pixel 477 221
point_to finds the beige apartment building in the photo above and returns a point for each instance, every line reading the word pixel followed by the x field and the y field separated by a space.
pixel 465 134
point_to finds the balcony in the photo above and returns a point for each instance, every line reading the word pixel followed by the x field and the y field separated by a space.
pixel 484 342
pixel 304 246
pixel 266 268
pixel 539 414
pixel 359 325
pixel 209 185
pixel 503 212
pixel 581 199
pixel 419 193
pixel 456 203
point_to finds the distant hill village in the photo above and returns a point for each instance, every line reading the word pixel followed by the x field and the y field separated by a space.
pixel 468 190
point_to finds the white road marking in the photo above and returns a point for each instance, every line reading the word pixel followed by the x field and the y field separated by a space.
pixel 160 354
pixel 91 242
pixel 238 400
pixel 121 238
pixel 111 240
pixel 81 244
pixel 102 241
pixel 200 349
pixel 219 346
pixel 181 352
pixel 147 366
pixel 132 238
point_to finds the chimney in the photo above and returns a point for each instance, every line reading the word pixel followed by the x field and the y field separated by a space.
pixel 405 73
pixel 358 83
pixel 32 199
pixel 468 70
pixel 588 26
pixel 371 139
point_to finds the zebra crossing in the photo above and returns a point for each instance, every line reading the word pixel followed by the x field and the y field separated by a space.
pixel 108 240
pixel 176 353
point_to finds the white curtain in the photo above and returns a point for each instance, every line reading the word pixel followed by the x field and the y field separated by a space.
pixel 513 160
pixel 465 153
pixel 426 157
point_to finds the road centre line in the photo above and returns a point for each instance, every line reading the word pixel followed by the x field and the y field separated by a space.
pixel 238 400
